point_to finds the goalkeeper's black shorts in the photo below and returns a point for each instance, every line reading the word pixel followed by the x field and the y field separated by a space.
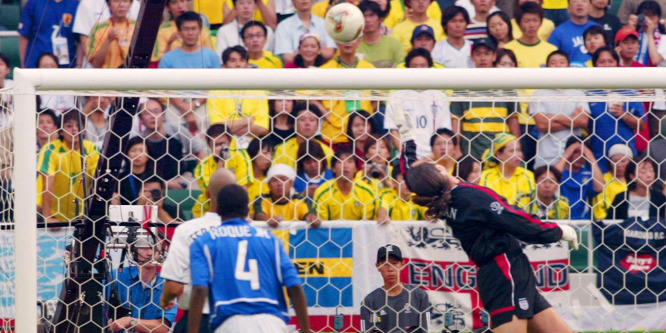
pixel 507 287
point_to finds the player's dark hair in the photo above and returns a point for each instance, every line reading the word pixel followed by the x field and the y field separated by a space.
pixel 557 52
pixel 528 8
pixel 251 24
pixel 596 30
pixel 4 58
pixel 501 53
pixel 238 49
pixel 443 131
pixel 340 156
pixel 649 7
pixel 502 15
pixel 465 166
pixel 372 7
pixel 311 149
pixel 419 52
pixel 597 54
pixel 538 172
pixel 632 167
pixel 216 130
pixel 304 107
pixel 450 12
pixel 187 17
pixel 365 115
pixel 431 189
pixel 235 199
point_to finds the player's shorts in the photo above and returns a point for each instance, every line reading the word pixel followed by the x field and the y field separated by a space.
pixel 507 287
pixel 259 323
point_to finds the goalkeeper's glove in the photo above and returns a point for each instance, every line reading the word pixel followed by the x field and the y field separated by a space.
pixel 569 235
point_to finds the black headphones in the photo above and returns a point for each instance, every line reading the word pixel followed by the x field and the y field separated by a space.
pixel 136 234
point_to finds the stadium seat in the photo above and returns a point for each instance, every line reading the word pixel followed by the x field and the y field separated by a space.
pixel 184 199
pixel 10 15
pixel 9 45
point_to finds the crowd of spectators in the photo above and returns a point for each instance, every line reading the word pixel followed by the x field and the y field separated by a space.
pixel 322 159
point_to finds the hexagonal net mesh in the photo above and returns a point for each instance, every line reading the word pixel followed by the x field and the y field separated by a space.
pixel 321 171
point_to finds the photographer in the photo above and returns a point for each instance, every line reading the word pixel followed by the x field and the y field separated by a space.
pixel 646 22
pixel 152 193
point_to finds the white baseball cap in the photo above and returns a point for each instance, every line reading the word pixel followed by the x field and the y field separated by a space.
pixel 620 148
pixel 281 170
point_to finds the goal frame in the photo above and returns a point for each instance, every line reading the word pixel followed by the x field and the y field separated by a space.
pixel 29 82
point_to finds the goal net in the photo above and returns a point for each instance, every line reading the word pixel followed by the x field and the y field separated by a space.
pixel 578 147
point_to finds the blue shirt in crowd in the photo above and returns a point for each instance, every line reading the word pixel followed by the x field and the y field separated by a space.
pixel 303 180
pixel 578 188
pixel 46 21
pixel 608 129
pixel 204 58
pixel 255 288
pixel 568 37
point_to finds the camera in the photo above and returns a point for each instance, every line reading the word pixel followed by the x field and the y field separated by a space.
pixel 375 170
pixel 641 20
pixel 225 153
pixel 156 194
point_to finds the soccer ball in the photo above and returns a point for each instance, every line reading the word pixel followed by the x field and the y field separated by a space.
pixel 344 22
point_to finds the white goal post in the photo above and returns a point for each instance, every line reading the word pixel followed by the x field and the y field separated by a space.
pixel 28 82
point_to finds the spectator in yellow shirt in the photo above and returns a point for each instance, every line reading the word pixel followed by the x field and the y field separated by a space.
pixel 245 118
pixel 255 37
pixel 59 164
pixel 530 49
pixel 545 203
pixel 418 15
pixel 396 203
pixel 343 197
pixel 223 156
pixel 504 174
pixel 260 151
pixel 281 204
pixel 110 40
pixel 336 113
pixel 307 125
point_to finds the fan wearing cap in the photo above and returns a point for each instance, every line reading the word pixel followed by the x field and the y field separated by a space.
pixel 280 204
pixel 139 287
pixel 626 42
pixel 394 307
pixel 418 16
pixel 382 51
pixel 504 173
pixel 484 52
pixel 455 50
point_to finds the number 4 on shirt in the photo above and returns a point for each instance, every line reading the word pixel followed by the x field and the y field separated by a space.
pixel 252 274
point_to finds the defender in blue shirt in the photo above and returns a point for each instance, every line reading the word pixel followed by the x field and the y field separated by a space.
pixel 243 270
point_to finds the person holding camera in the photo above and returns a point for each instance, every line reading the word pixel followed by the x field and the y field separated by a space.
pixel 223 156
pixel 152 193
pixel 647 22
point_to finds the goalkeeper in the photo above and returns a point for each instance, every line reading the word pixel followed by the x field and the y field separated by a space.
pixel 489 231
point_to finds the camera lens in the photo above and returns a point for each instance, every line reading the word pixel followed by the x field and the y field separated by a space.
pixel 156 194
